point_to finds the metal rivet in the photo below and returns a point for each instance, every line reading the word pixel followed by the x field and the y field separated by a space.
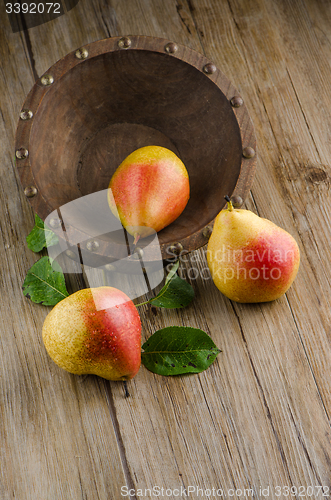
pixel 22 153
pixel 55 222
pixel 236 101
pixel 30 191
pixel 47 80
pixel 171 48
pixel 26 114
pixel 81 53
pixel 70 254
pixel 176 248
pixel 110 267
pixel 209 68
pixel 248 152
pixel 237 201
pixel 92 245
pixel 206 233
pixel 124 43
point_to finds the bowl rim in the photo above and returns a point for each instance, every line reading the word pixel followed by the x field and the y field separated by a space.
pixel 126 43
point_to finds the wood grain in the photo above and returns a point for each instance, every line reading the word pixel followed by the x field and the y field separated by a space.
pixel 260 415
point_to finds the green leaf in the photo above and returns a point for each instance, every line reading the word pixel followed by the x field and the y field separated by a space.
pixel 176 292
pixel 178 349
pixel 41 236
pixel 172 271
pixel 45 283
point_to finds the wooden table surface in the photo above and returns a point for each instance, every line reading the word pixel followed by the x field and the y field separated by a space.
pixel 257 422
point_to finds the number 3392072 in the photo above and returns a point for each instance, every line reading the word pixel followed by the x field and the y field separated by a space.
pixel 33 8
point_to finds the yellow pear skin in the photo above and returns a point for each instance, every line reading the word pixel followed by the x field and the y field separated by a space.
pixel 149 190
pixel 95 331
pixel 251 259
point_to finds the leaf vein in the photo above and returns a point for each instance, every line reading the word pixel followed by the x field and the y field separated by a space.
pixel 44 281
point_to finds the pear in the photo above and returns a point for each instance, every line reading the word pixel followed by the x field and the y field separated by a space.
pixel 149 190
pixel 95 331
pixel 251 259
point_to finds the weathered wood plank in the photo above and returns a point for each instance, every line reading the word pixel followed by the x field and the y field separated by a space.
pixel 282 437
pixel 278 67
pixel 259 415
pixel 294 151
pixel 57 437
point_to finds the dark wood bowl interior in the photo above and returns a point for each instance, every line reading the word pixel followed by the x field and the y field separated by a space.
pixel 101 109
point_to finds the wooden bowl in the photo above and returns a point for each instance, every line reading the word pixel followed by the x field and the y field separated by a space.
pixel 98 104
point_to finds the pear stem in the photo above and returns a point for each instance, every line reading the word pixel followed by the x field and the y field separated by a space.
pixel 229 202
pixel 136 238
pixel 127 394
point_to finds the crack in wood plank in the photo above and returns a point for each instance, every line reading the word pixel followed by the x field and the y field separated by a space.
pixel 264 399
pixel 225 438
pixel 171 445
pixel 113 415
pixel 233 16
pixel 304 447
pixel 108 19
pixel 199 31
pixel 182 17
pixel 29 47
pixel 254 202
pixel 307 358
pixel 303 113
